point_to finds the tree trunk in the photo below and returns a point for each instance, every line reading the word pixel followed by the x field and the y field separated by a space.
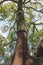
pixel 21 49
pixel 21 55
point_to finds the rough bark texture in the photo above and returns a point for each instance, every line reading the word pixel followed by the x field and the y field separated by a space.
pixel 21 50
pixel 20 17
pixel 21 56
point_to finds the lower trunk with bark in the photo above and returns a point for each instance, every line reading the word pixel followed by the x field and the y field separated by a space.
pixel 21 49
pixel 21 55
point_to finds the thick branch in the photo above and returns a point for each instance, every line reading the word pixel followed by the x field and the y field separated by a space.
pixel 33 28
pixel 32 23
pixel 33 9
pixel 39 24
pixel 27 2
pixel 1 2
pixel 14 1
pixel 36 29
pixel 8 0
pixel 26 13
pixel 24 1
pixel 37 2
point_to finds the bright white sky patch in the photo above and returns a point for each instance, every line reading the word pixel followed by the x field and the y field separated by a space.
pixel 0 31
pixel 3 34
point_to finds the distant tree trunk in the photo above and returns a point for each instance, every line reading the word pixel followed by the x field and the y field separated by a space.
pixel 21 49
pixel 40 50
